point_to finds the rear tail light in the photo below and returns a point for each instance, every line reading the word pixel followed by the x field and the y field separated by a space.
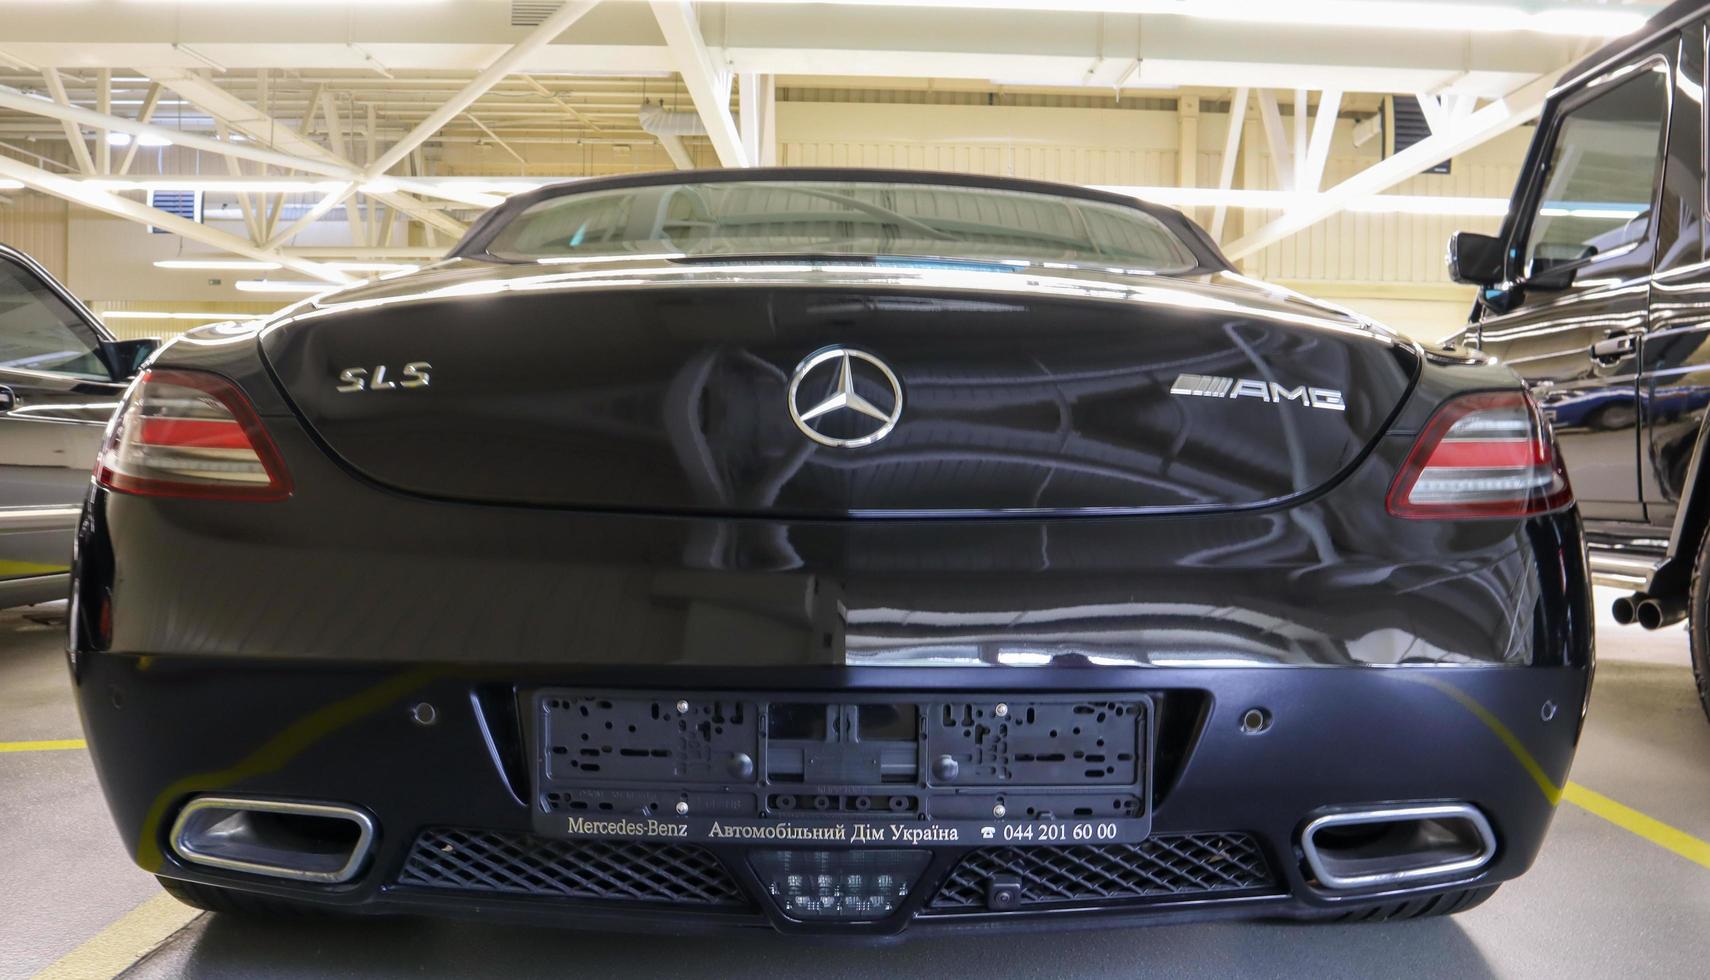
pixel 190 434
pixel 1486 455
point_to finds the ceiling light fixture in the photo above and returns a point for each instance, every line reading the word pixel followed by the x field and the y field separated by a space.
pixel 154 315
pixel 246 265
pixel 1420 15
pixel 371 266
pixel 282 286
pixel 232 185
pixel 1261 200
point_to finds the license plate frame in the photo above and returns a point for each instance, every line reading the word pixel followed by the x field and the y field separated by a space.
pixel 782 769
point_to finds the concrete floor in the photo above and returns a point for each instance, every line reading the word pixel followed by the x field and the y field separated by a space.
pixel 1601 900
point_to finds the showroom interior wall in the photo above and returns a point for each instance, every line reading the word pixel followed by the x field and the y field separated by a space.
pixel 37 224
pixel 1389 266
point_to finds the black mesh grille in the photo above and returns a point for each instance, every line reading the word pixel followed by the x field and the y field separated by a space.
pixel 522 864
pixel 1181 866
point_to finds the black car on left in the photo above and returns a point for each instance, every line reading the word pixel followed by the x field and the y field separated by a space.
pixel 61 377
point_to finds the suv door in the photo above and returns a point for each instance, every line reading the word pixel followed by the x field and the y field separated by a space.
pixel 1674 385
pixel 1579 256
pixel 56 395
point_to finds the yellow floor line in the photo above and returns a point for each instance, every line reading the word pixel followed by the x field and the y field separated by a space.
pixel 1629 819
pixel 118 947
pixel 44 745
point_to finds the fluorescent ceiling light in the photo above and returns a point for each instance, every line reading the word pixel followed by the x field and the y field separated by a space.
pixel 1420 15
pixel 233 185
pixel 282 286
pixel 152 315
pixel 1587 23
pixel 480 186
pixel 124 139
pixel 1259 200
pixel 247 265
pixel 450 191
pixel 1062 83
pixel 371 266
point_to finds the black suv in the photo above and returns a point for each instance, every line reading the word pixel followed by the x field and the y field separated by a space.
pixel 1597 292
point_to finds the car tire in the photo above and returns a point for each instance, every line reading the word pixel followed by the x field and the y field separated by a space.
pixel 1448 903
pixel 230 901
pixel 1698 624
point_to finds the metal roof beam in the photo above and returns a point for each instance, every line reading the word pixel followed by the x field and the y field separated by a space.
pixel 73 132
pixel 77 192
pixel 1231 156
pixel 1514 109
pixel 259 126
pixel 492 74
pixel 708 81
pixel 11 98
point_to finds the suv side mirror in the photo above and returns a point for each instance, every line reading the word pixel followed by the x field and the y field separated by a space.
pixel 1475 259
pixel 126 357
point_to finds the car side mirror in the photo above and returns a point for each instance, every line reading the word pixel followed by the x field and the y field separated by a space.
pixel 126 357
pixel 1475 259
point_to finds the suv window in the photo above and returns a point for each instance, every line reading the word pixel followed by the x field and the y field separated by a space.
pixel 39 332
pixel 1602 171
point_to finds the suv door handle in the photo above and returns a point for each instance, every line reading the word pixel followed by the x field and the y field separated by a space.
pixel 1612 349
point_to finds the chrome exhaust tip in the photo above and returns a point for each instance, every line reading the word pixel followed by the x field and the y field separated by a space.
pixel 1397 845
pixel 325 843
pixel 1655 612
pixel 1625 609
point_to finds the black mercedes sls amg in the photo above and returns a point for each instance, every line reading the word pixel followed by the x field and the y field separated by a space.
pixel 835 552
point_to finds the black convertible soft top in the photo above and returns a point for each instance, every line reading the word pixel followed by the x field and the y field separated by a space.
pixel 475 241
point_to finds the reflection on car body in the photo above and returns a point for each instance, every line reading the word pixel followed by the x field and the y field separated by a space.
pixel 836 552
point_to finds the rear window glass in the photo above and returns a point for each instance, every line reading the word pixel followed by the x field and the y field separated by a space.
pixel 840 218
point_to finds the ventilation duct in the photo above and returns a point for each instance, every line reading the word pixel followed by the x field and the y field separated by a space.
pixel 660 121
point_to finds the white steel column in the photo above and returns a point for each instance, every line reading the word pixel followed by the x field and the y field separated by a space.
pixel 1311 177
pixel 1231 156
pixel 1187 141
pixel 103 105
pixel 748 92
pixel 1276 140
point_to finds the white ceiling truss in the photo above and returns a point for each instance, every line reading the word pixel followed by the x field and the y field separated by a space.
pixel 341 106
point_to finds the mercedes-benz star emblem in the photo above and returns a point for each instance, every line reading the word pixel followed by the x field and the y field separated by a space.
pixel 843 396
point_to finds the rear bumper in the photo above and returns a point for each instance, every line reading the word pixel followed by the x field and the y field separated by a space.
pixel 166 729
pixel 277 651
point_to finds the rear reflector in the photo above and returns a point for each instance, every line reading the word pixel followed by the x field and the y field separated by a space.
pixel 1486 455
pixel 190 434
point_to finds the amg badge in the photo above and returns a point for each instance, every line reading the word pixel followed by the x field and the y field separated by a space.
pixel 1211 386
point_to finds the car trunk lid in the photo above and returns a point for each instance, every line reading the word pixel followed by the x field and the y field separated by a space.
pixel 715 388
